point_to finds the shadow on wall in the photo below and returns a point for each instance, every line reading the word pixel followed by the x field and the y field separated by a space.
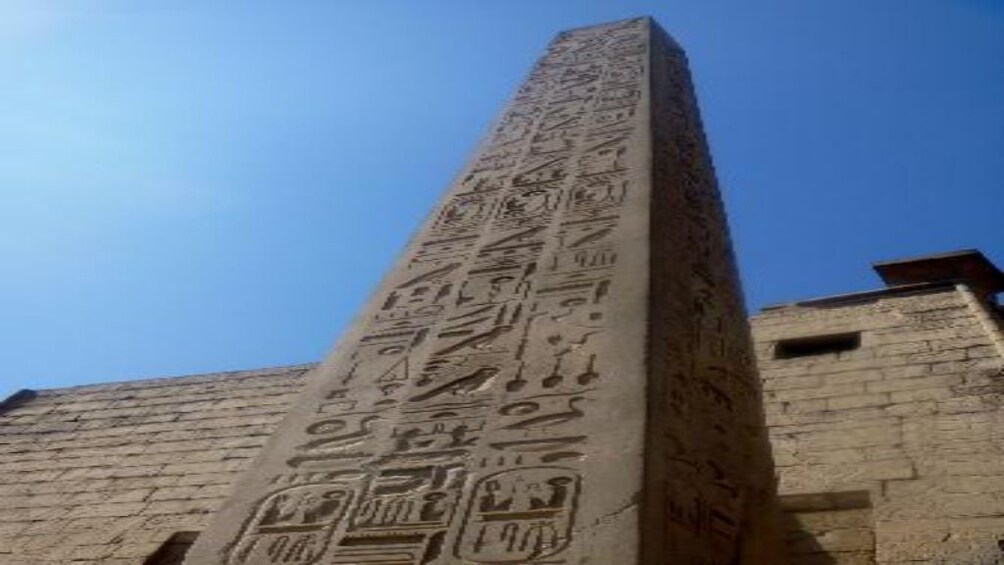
pixel 803 547
pixel 174 549
pixel 831 528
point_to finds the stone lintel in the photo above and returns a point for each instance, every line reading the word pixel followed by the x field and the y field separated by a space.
pixel 967 266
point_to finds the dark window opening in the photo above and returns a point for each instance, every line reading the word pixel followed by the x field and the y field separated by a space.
pixel 173 551
pixel 816 345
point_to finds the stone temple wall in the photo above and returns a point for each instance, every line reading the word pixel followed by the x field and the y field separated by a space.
pixel 108 473
pixel 887 448
pixel 885 415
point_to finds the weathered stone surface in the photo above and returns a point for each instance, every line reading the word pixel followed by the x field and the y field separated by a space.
pixel 556 371
pixel 926 460
pixel 922 435
pixel 107 473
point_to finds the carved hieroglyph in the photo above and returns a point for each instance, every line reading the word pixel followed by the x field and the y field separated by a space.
pixel 555 372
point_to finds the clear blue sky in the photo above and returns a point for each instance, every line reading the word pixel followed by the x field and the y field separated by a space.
pixel 192 186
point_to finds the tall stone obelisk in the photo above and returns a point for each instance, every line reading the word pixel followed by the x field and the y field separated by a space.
pixel 557 369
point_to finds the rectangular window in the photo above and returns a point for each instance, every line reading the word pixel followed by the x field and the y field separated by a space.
pixel 816 345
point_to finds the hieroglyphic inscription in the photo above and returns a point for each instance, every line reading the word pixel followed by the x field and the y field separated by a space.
pixel 464 388
pixel 458 421
pixel 711 463
pixel 520 516
pixel 293 524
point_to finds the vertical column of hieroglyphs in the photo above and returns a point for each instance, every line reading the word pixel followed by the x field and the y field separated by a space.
pixel 454 423
pixel 534 498
pixel 710 487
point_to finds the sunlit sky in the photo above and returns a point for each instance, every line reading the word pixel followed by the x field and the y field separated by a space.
pixel 195 186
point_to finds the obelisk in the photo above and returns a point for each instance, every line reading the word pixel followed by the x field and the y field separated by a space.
pixel 556 371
